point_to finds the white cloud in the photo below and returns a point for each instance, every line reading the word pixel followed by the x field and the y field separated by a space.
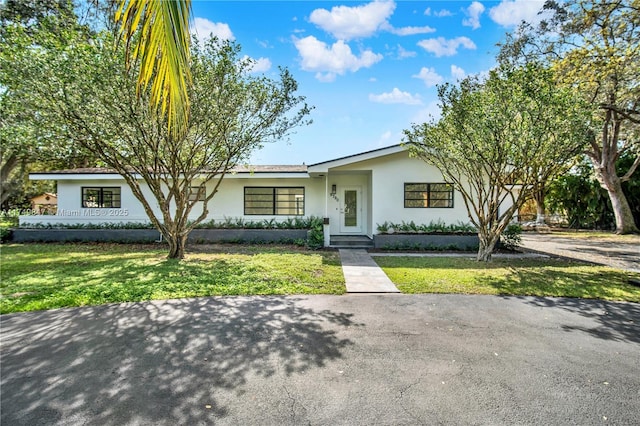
pixel 347 23
pixel 427 11
pixel 329 61
pixel 405 31
pixel 482 75
pixel 473 13
pixel 443 47
pixel 442 13
pixel 457 73
pixel 327 77
pixel 203 29
pixel 259 65
pixel 404 53
pixel 510 13
pixel 264 44
pixel 396 97
pixel 373 80
pixel 429 76
pixel 385 136
pixel 431 112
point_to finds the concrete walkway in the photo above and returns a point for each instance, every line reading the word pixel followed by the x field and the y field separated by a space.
pixel 362 274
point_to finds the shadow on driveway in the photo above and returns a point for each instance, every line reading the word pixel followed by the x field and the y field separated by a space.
pixel 145 362
pixel 615 321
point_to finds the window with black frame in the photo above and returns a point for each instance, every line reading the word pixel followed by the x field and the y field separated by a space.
pixel 274 201
pixel 428 195
pixel 101 197
pixel 197 193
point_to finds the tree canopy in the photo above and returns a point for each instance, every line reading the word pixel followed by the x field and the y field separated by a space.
pixel 593 47
pixel 496 140
pixel 89 97
pixel 28 29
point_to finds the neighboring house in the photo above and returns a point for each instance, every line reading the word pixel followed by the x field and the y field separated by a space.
pixel 44 204
pixel 355 193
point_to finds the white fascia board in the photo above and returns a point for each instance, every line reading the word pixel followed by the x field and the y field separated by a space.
pixel 115 176
pixel 71 176
pixel 324 167
pixel 275 175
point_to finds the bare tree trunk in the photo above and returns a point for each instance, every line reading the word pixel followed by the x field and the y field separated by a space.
pixel 177 243
pixel 488 243
pixel 622 211
pixel 538 198
pixel 611 182
pixel 9 165
pixel 604 159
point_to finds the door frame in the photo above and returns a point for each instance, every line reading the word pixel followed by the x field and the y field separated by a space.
pixel 348 229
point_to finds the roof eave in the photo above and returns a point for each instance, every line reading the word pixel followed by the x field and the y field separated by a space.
pixel 356 158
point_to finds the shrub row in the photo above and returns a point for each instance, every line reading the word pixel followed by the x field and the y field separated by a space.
pixel 433 227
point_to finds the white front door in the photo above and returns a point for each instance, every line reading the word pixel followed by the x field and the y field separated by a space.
pixel 351 210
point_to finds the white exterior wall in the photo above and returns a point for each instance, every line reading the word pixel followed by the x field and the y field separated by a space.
pixel 71 212
pixel 388 176
pixel 227 203
pixel 380 180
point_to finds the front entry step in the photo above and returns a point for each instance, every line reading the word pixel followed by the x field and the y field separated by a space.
pixel 351 241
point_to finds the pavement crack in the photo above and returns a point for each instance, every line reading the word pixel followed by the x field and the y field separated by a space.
pixel 402 391
pixel 294 403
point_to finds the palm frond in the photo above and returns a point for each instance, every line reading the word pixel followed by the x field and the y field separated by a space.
pixel 162 50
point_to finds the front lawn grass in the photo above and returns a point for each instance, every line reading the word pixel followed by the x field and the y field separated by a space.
pixel 46 276
pixel 530 277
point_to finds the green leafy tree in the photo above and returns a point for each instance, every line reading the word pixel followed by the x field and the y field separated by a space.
pixel 26 29
pixel 496 139
pixel 578 196
pixel 593 46
pixel 88 96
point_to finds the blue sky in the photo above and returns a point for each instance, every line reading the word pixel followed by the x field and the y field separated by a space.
pixel 370 69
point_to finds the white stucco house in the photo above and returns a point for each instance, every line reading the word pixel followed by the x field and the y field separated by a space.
pixel 355 193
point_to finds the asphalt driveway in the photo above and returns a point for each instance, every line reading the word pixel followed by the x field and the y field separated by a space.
pixel 325 360
pixel 621 253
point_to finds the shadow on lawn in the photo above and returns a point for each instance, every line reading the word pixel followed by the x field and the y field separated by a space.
pixel 158 363
pixel 547 277
pixel 110 274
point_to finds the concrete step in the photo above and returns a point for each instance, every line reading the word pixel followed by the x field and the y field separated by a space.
pixel 351 241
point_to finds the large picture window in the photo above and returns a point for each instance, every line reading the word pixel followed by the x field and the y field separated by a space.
pixel 101 197
pixel 279 201
pixel 428 195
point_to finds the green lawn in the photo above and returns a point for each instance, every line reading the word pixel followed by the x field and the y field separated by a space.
pixel 535 277
pixel 46 276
